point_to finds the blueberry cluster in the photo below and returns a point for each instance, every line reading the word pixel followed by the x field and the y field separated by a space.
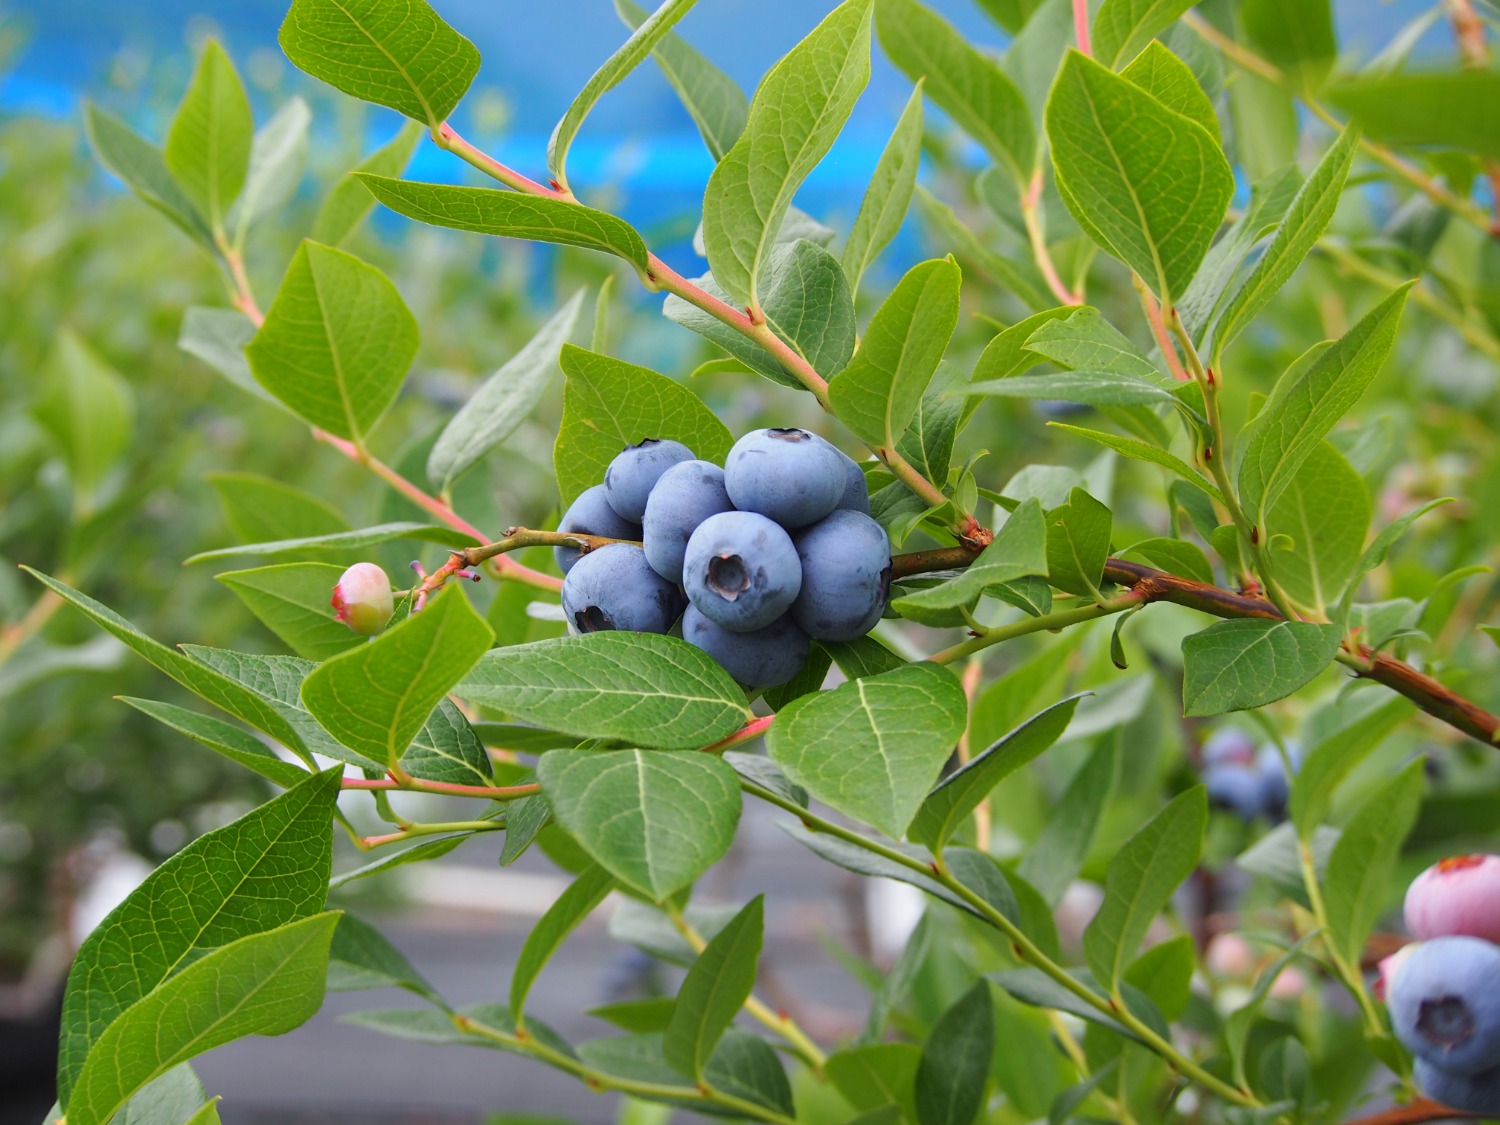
pixel 1248 780
pixel 756 558
pixel 1444 991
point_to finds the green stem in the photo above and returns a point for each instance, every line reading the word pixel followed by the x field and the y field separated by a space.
pixel 1024 947
pixel 1217 456
pixel 599 1080
pixel 782 1025
pixel 411 829
pixel 1353 980
pixel 1059 619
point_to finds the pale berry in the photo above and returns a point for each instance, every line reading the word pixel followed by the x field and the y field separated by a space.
pixel 1459 895
pixel 362 599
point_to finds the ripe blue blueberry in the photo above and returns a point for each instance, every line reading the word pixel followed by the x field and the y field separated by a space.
pixel 1228 744
pixel 634 472
pixel 615 588
pixel 791 476
pixel 765 658
pixel 1474 1093
pixel 686 495
pixel 590 514
pixel 1445 1004
pixel 741 571
pixel 856 497
pixel 846 576
pixel 1236 787
pixel 1275 786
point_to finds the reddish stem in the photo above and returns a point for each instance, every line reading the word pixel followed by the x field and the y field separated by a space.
pixel 747 733
pixel 1081 25
pixel 1423 1109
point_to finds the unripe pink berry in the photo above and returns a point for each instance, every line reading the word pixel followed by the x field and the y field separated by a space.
pixel 362 599
pixel 1389 967
pixel 1289 984
pixel 1456 896
pixel 1230 956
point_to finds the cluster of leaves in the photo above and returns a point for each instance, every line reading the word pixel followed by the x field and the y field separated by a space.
pixel 624 745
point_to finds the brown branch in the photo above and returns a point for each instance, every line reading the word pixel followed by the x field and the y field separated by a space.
pixel 1423 1109
pixel 1438 700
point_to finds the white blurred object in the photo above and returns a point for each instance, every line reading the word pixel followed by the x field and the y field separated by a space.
pixel 893 910
pixel 116 873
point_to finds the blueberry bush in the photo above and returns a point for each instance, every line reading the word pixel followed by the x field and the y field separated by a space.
pixel 1227 665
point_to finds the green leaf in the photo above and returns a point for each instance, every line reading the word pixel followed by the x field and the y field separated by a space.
pixel 928 441
pixel 1234 665
pixel 716 104
pixel 1361 876
pixel 259 509
pixel 872 747
pixel 798 111
pixel 264 984
pixel 1304 223
pixel 88 410
pixel 208 682
pixel 807 302
pixel 1300 414
pixel 376 698
pixel 274 682
pixel 1019 549
pixel 292 600
pixel 268 868
pixel 404 56
pixel 503 401
pixel 1140 451
pixel 894 985
pixel 960 793
pixel 883 209
pixel 876 1076
pixel 644 1016
pixel 1327 764
pixel 1269 200
pixel 1297 36
pixel 350 201
pixel 1007 354
pixel 143 169
pixel 575 904
pixel 716 987
pixel 629 56
pixel 1171 82
pixel 864 657
pixel 653 690
pixel 362 957
pixel 956 1060
pixel 1123 27
pixel 278 156
pixel 1165 974
pixel 208 145
pixel 1326 513
pixel 1084 340
pixel 344 541
pixel 1056 856
pixel 1095 388
pixel 968 86
pixel 174 1098
pixel 1452 109
pixel 609 404
pixel 1380 547
pixel 336 343
pixel 218 337
pixel 1142 876
pixel 511 214
pixel 208 1114
pixel 222 738
pixel 1148 185
pixel 447 749
pixel 654 819
pixel 1175 556
pixel 1078 544
pixel 877 394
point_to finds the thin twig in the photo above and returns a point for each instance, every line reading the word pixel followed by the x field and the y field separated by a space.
pixel 449 788
pixel 1413 1113
pixel 1032 218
